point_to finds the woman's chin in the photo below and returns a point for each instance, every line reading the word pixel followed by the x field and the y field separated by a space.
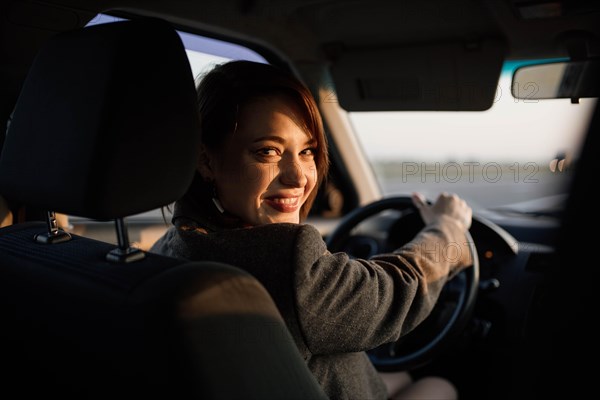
pixel 280 218
pixel 286 220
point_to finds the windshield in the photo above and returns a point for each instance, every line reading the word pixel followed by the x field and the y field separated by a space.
pixel 519 152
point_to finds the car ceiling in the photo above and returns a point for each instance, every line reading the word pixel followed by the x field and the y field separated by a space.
pixel 315 31
pixel 304 28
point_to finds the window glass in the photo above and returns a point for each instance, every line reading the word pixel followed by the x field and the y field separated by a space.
pixel 203 52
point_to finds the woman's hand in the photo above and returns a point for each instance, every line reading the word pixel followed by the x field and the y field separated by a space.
pixel 447 205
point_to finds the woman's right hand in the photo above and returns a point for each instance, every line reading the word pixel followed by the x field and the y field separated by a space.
pixel 447 205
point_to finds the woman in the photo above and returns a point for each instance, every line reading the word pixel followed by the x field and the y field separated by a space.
pixel 262 158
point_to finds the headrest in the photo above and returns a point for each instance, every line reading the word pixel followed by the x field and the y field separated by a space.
pixel 106 124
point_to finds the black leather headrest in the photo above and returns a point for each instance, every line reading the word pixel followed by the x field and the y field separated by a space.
pixel 106 124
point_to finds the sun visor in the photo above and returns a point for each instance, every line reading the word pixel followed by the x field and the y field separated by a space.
pixel 446 77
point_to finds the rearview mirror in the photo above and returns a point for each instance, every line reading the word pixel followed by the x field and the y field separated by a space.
pixel 567 79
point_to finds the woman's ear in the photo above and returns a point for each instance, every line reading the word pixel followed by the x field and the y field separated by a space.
pixel 204 166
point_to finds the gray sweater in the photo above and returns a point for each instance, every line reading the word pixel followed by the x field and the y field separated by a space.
pixel 335 307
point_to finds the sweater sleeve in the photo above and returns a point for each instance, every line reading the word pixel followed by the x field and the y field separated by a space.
pixel 350 305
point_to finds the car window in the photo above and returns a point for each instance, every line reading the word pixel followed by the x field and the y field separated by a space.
pixel 519 153
pixel 203 52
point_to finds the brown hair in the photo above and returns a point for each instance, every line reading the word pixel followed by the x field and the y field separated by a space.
pixel 225 89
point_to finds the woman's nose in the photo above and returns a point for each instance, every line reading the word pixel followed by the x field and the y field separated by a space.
pixel 291 174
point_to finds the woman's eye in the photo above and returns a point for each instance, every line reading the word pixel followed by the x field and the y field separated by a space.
pixel 267 151
pixel 309 152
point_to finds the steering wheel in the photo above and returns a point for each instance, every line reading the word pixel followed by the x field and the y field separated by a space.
pixel 448 317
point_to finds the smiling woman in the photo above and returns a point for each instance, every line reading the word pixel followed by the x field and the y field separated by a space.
pixel 275 163
pixel 263 154
pixel 259 151
pixel 261 170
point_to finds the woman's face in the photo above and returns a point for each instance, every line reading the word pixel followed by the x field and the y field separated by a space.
pixel 265 171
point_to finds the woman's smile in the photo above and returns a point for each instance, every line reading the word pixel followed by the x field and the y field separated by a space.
pixel 284 204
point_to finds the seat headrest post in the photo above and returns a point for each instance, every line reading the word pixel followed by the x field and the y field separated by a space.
pixel 124 253
pixel 54 234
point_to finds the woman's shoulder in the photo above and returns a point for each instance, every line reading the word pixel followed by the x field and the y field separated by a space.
pixel 294 245
pixel 279 230
pixel 299 232
pixel 165 245
pixel 268 233
pixel 276 233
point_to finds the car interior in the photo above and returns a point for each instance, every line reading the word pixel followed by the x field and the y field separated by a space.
pixel 495 100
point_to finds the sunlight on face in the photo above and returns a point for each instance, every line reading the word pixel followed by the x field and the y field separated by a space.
pixel 266 170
